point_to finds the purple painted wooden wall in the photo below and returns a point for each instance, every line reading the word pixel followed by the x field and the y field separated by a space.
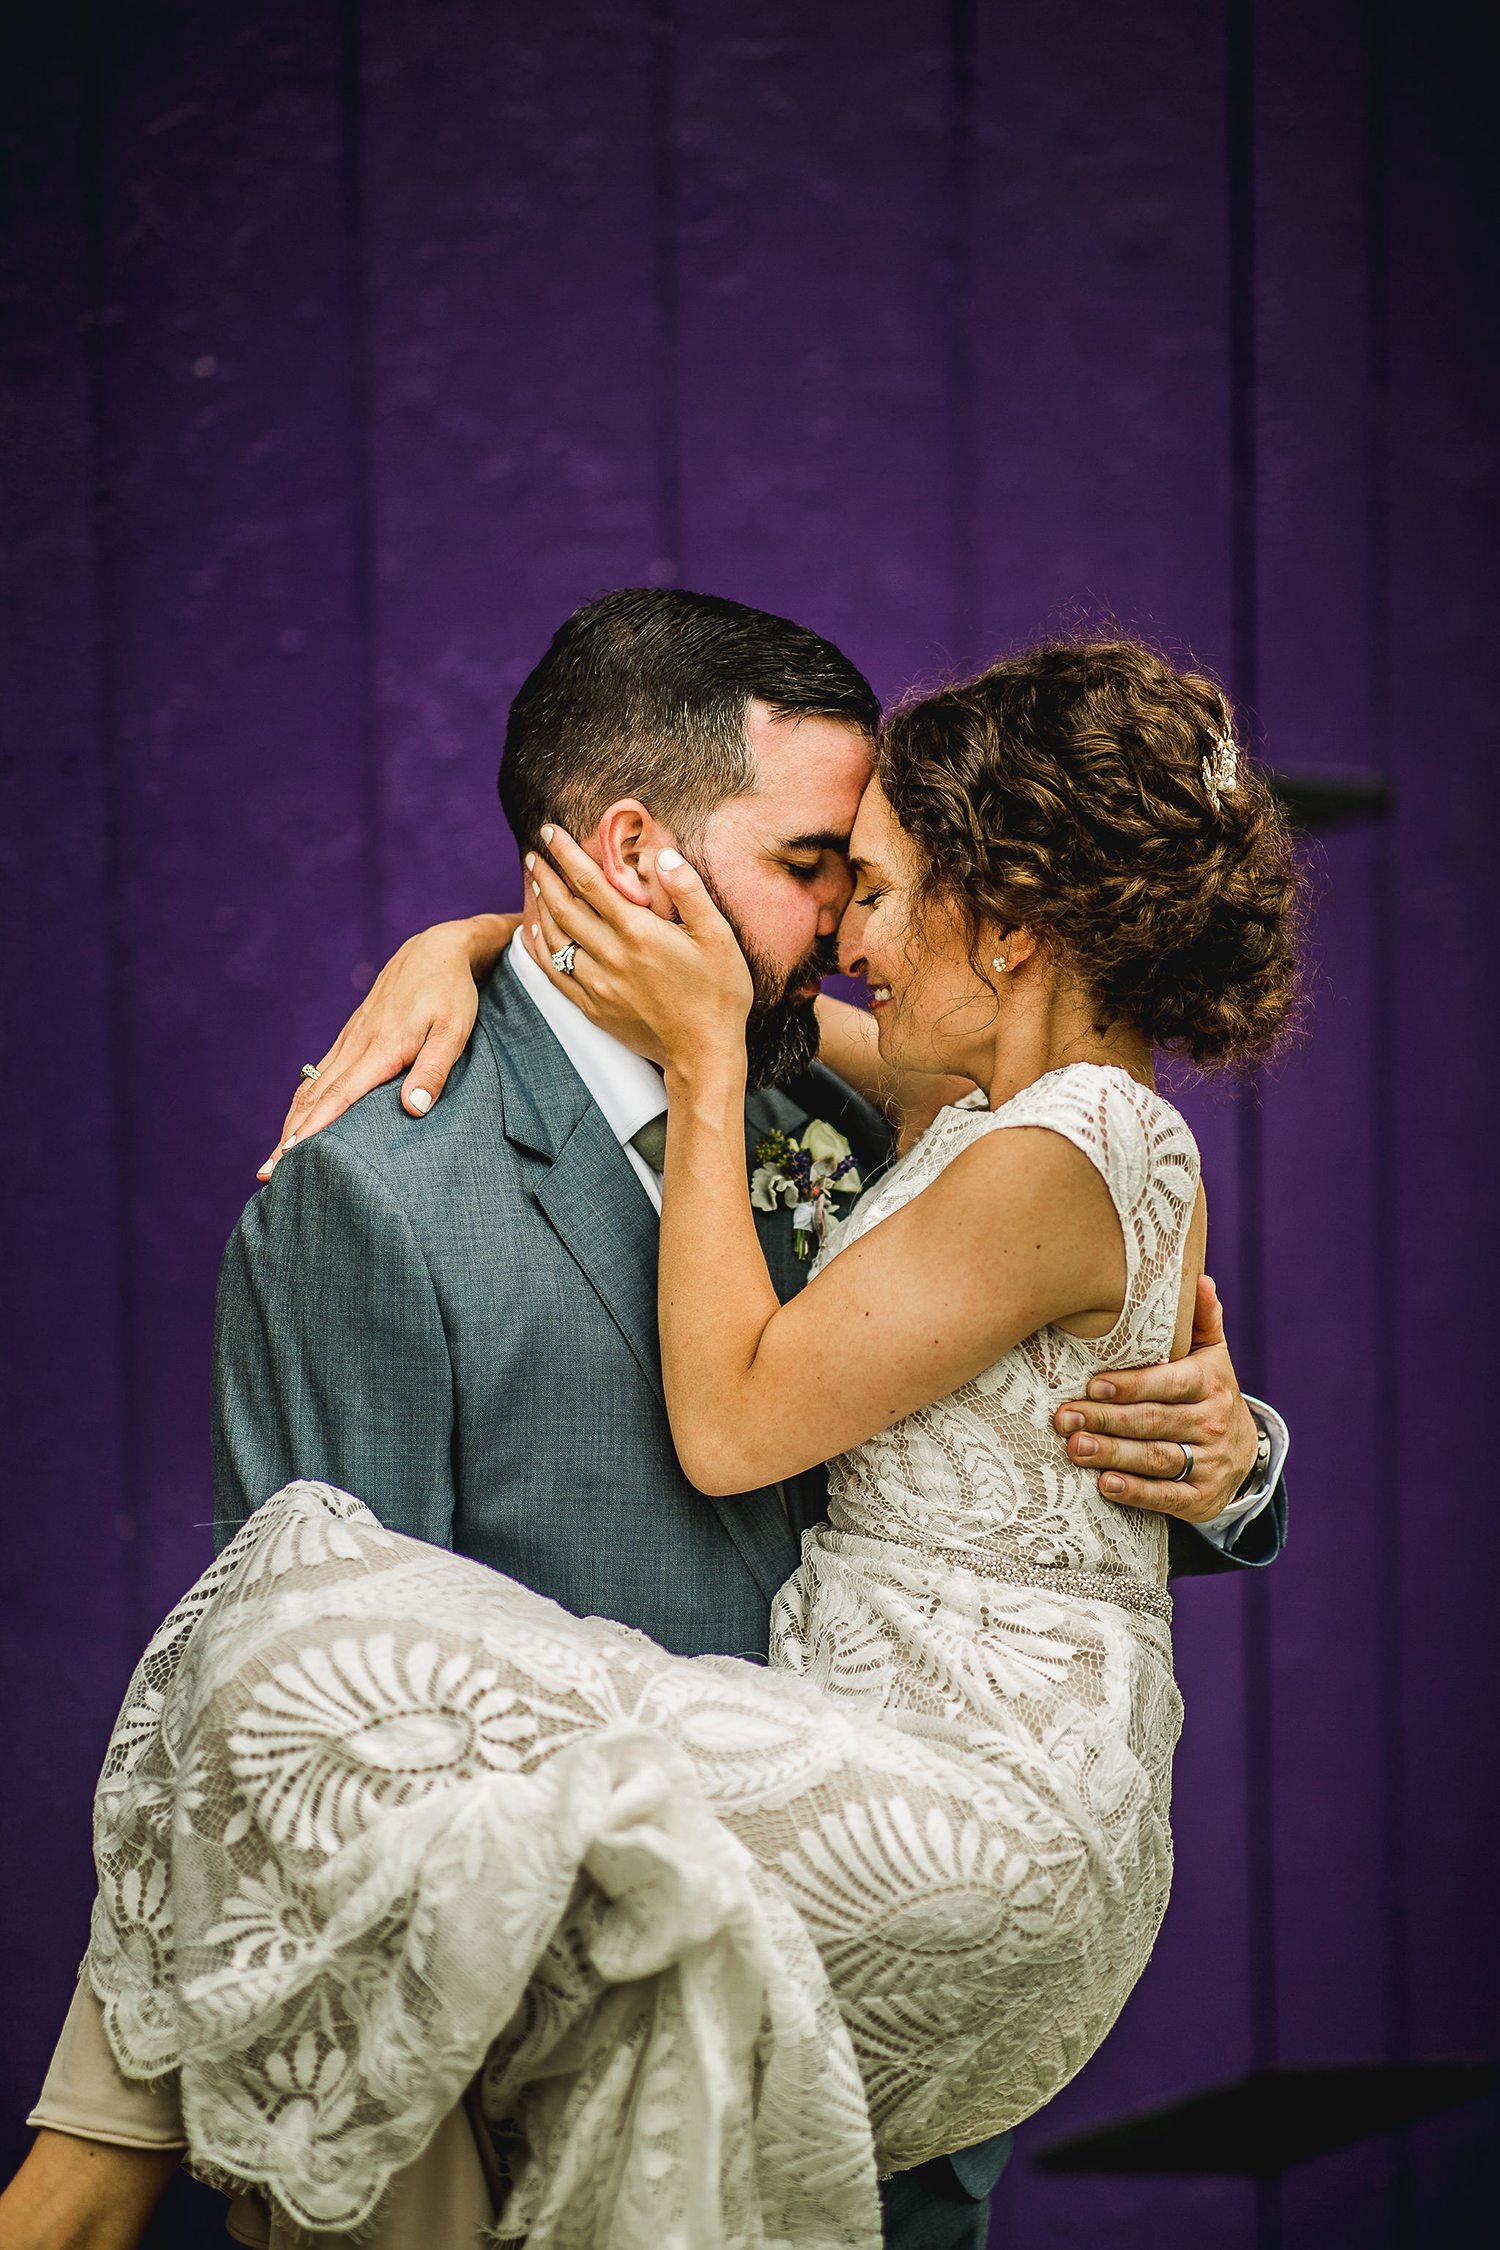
pixel 348 348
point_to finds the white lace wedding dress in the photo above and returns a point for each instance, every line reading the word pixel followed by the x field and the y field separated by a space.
pixel 717 1940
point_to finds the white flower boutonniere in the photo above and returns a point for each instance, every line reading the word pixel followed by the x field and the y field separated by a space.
pixel 804 1174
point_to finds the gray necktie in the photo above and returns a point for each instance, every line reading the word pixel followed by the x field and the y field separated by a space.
pixel 650 1143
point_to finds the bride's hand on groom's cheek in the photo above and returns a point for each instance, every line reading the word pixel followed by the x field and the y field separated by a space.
pixel 668 978
pixel 1132 1427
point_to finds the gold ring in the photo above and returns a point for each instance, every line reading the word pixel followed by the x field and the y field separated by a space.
pixel 310 1071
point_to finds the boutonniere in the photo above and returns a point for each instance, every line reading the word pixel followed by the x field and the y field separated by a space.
pixel 804 1174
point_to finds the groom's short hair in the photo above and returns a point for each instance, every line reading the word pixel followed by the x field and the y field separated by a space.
pixel 644 693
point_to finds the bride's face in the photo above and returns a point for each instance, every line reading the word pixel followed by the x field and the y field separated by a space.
pixel 934 1011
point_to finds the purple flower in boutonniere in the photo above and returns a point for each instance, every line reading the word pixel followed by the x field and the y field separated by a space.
pixel 804 1174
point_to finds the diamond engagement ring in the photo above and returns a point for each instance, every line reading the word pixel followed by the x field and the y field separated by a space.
pixel 1187 1462
pixel 562 959
pixel 310 1071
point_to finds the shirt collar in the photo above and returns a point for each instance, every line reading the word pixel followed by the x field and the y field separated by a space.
pixel 628 1090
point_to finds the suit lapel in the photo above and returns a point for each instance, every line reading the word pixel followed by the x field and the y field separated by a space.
pixel 605 1220
pixel 590 1191
pixel 608 1225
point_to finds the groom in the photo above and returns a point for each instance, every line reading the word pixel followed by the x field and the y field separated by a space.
pixel 455 1316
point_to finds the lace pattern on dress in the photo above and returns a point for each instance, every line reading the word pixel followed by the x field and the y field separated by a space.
pixel 719 1939
pixel 986 1461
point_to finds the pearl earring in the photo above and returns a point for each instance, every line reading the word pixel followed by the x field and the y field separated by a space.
pixel 997 963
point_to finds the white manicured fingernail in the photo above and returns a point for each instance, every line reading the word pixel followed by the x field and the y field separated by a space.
pixel 546 835
pixel 289 1142
pixel 536 890
pixel 420 1100
pixel 668 860
pixel 531 859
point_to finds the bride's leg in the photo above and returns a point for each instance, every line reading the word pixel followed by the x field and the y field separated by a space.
pixel 368 1775
pixel 104 2153
pixel 75 2194
pixel 356 1790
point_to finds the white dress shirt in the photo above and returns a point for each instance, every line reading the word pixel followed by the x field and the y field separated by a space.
pixel 1223 1530
pixel 630 1092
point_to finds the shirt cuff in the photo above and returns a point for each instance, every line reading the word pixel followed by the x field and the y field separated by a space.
pixel 1223 1530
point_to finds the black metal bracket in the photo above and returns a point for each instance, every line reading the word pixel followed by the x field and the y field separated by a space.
pixel 1322 797
pixel 1261 2125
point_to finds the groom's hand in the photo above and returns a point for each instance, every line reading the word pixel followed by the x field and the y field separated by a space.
pixel 1133 1425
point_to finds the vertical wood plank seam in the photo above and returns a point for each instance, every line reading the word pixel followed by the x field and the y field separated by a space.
pixel 89 34
pixel 1384 1213
pixel 962 431
pixel 1251 1340
pixel 350 30
pixel 669 565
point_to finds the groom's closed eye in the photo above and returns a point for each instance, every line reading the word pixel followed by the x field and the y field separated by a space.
pixel 807 858
pixel 807 855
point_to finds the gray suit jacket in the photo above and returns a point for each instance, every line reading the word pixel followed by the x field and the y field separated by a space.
pixel 455 1318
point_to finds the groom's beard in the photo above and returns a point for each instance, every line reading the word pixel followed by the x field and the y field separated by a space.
pixel 781 1035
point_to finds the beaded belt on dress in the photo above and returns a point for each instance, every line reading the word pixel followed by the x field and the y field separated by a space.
pixel 1084 1585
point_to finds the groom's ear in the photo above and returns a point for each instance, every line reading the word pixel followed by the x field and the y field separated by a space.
pixel 626 844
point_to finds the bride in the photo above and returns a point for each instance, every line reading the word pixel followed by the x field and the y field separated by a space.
pixel 710 1944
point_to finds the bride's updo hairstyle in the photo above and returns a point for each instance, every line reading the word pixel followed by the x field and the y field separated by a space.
pixel 1089 792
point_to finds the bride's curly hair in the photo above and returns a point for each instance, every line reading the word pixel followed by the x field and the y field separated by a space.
pixel 1064 790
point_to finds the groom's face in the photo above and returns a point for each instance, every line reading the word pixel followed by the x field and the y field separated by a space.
pixel 777 863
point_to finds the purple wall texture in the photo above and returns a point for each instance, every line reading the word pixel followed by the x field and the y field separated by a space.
pixel 349 347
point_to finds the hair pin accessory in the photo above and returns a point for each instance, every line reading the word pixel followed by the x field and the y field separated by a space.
pixel 1221 771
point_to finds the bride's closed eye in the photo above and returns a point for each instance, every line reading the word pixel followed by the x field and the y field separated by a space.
pixel 871 898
